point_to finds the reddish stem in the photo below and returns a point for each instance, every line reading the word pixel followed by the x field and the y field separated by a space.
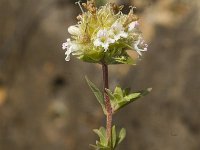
pixel 107 102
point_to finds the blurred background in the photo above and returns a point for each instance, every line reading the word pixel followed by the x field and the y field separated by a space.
pixel 45 103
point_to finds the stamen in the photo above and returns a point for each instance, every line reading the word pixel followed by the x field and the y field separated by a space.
pixel 132 8
pixel 79 4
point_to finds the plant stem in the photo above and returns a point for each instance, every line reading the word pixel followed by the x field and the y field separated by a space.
pixel 107 102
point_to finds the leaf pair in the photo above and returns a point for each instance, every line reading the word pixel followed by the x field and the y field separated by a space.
pixel 120 98
pixel 103 143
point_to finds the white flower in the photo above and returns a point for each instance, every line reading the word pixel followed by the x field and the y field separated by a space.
pixel 71 47
pixel 133 25
pixel 103 39
pixel 140 45
pixel 117 31
pixel 74 30
pixel 66 44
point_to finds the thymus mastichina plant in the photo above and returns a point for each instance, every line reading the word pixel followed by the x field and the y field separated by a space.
pixel 104 35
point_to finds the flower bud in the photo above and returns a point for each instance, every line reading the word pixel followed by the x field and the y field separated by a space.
pixel 74 30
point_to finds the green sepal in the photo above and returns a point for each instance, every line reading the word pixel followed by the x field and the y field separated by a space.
pixel 98 94
pixel 118 55
pixel 92 56
pixel 120 98
pixel 125 60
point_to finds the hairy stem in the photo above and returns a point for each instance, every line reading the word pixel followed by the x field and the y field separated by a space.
pixel 107 102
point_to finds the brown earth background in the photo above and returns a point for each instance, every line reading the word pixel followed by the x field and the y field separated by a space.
pixel 45 103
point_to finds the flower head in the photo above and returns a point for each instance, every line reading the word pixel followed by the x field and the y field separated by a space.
pixel 104 34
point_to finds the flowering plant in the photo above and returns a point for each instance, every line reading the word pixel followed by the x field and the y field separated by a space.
pixel 104 35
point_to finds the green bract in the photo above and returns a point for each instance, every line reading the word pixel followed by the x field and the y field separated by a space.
pixel 103 35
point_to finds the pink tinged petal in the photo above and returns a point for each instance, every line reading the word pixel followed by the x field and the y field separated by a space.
pixel 137 49
pixel 117 31
pixel 133 25
pixel 140 46
pixel 71 47
pixel 64 45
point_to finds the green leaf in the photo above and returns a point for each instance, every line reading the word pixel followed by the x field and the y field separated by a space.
pixel 118 97
pixel 126 91
pixel 102 144
pixel 95 147
pixel 97 94
pixel 99 146
pixel 102 135
pixel 118 94
pixel 122 135
pixel 147 91
pixel 119 91
pixel 132 96
pixel 114 137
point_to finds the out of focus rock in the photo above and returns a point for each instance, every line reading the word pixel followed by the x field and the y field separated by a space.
pixel 3 95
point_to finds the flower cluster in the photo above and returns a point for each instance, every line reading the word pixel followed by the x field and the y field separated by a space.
pixel 104 35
